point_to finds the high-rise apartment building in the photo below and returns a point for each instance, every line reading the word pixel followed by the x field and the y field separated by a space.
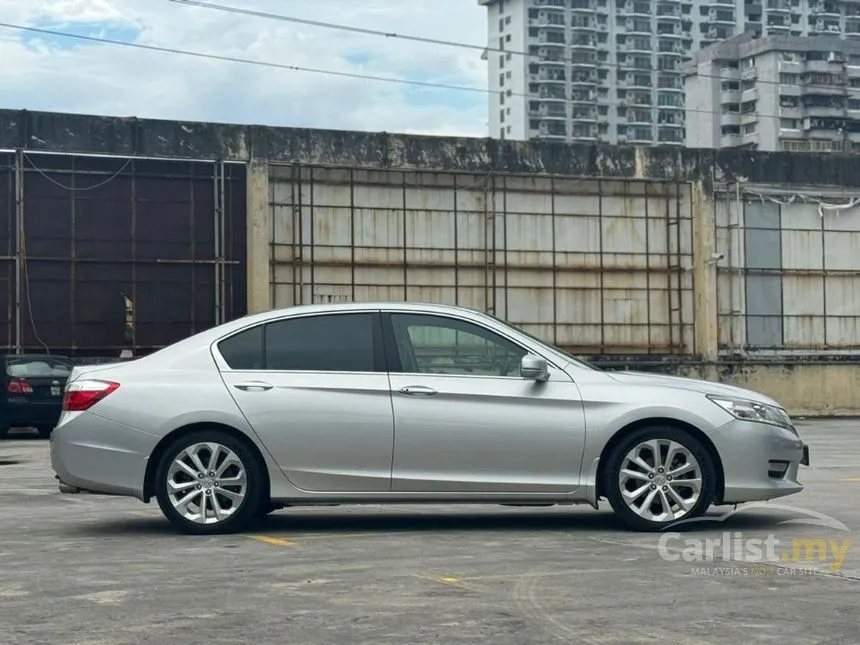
pixel 611 70
pixel 775 93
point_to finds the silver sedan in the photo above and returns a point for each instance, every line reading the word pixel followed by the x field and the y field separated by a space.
pixel 409 403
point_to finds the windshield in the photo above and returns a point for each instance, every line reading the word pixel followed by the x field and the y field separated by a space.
pixel 556 349
pixel 37 366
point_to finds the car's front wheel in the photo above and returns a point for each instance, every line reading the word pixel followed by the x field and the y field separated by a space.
pixel 659 475
pixel 209 482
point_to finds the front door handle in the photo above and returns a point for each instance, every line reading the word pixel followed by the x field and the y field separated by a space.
pixel 254 386
pixel 418 390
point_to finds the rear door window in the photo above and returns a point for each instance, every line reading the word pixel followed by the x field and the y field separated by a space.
pixel 343 342
pixel 328 343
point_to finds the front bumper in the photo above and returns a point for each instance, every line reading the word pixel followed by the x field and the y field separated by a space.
pixel 760 461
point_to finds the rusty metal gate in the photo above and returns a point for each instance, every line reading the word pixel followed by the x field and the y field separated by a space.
pixel 104 254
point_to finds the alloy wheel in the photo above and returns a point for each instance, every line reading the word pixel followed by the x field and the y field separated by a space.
pixel 206 483
pixel 660 480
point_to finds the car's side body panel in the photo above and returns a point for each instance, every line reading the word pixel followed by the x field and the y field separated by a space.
pixel 338 437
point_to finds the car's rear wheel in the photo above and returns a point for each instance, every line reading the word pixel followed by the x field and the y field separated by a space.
pixel 4 429
pixel 209 482
pixel 659 475
pixel 45 431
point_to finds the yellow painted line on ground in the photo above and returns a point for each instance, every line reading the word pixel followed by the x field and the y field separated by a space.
pixel 856 480
pixel 443 580
pixel 268 539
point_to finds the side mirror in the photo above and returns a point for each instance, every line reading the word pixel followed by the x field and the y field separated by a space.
pixel 534 368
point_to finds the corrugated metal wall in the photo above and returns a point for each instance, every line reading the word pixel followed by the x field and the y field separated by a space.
pixel 168 235
pixel 7 236
pixel 593 266
pixel 791 277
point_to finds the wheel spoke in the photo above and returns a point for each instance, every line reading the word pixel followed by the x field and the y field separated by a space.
pixel 634 474
pixel 229 494
pixel 199 497
pixel 644 487
pixel 654 446
pixel 191 472
pixel 178 487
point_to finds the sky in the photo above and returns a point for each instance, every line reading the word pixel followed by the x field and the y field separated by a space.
pixel 44 72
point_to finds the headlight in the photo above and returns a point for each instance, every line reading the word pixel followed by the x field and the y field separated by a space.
pixel 753 411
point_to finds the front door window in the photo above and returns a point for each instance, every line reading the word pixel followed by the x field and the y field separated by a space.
pixel 440 345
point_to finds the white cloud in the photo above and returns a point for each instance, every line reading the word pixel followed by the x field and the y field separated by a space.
pixel 49 73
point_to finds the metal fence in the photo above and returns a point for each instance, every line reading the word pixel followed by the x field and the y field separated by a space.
pixel 789 280
pixel 104 254
pixel 595 266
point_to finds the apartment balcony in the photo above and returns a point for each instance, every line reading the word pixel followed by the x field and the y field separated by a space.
pixel 552 63
pixel 672 14
pixel 633 13
pixel 635 85
pixel 554 98
pixel 547 80
pixel 673 34
pixel 852 29
pixel 640 119
pixel 633 48
pixel 549 5
pixel 730 118
pixel 824 10
pixel 584 45
pixel 553 138
pixel 544 22
pixel 824 28
pixel 549 117
pixel 584 66
pixel 778 6
pixel 824 90
pixel 550 45
pixel 720 4
pixel 584 117
pixel 583 10
pixel 730 141
pixel 640 139
pixel 824 111
pixel 715 18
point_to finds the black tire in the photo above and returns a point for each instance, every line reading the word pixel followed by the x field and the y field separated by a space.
pixel 4 429
pixel 45 431
pixel 247 509
pixel 614 462
pixel 265 509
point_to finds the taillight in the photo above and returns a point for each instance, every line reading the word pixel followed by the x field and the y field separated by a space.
pixel 84 394
pixel 19 387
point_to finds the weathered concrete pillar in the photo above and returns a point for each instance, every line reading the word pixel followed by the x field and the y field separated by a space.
pixel 704 274
pixel 259 227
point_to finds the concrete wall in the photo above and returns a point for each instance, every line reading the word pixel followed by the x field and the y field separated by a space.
pixel 594 191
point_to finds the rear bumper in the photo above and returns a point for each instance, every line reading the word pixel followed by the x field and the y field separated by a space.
pixel 760 461
pixel 91 454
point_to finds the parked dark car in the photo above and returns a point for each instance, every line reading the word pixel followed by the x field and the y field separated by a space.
pixel 31 391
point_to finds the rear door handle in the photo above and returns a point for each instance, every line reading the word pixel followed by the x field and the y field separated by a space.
pixel 254 386
pixel 418 390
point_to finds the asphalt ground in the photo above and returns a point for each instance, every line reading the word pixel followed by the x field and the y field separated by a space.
pixel 85 570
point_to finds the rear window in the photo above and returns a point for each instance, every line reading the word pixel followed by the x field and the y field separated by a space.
pixel 41 367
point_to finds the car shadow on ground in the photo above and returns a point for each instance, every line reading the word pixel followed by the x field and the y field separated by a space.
pixel 286 523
